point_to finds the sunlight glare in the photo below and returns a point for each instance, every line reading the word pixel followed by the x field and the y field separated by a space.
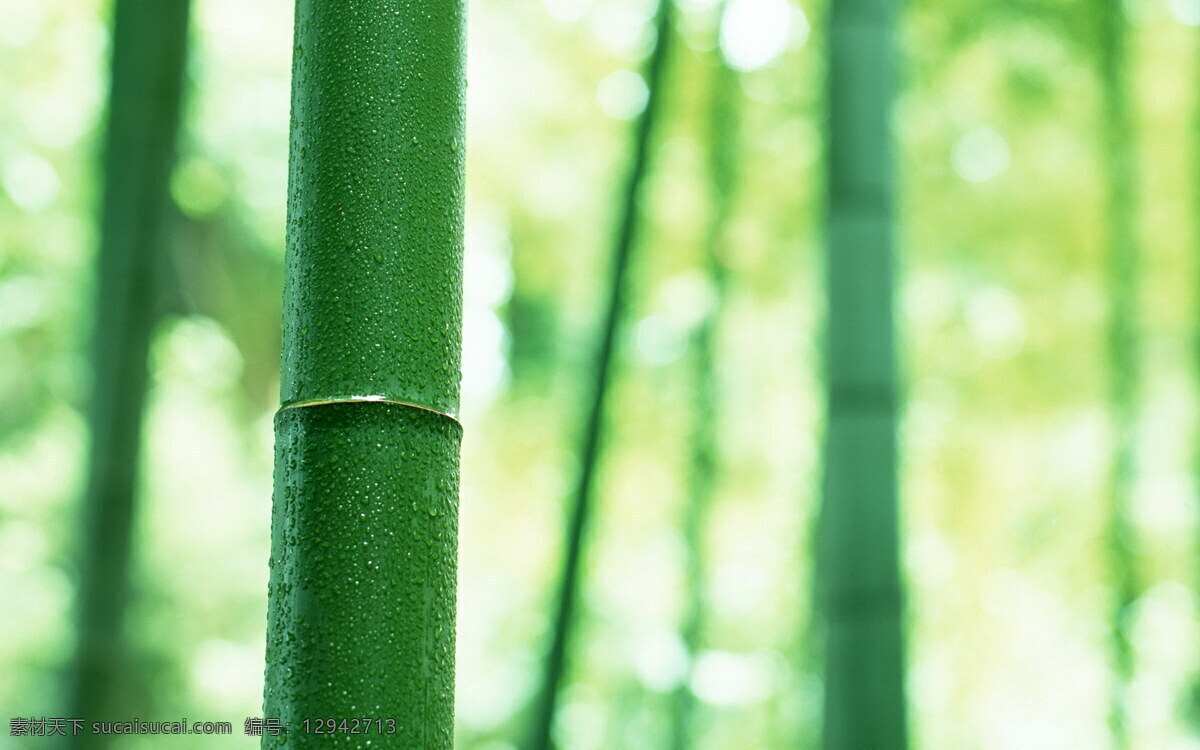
pixel 980 155
pixel 622 94
pixel 755 32
pixel 31 182
pixel 1186 12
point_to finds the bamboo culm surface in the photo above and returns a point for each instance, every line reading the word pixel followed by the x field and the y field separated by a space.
pixel 541 728
pixel 149 43
pixel 361 613
pixel 858 565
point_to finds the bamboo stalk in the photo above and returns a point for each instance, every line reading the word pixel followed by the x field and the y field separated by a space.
pixel 361 616
pixel 859 578
pixel 1123 274
pixel 581 507
pixel 722 159
pixel 149 43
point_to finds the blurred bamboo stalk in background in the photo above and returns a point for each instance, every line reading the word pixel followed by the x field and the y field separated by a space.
pixel 364 528
pixel 1193 700
pixel 722 171
pixel 627 225
pixel 149 49
pixel 860 591
pixel 1123 279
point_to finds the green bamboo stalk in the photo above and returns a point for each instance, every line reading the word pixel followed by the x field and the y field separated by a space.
pixel 1193 699
pixel 581 508
pixel 361 615
pixel 859 576
pixel 149 44
pixel 1123 274
pixel 722 157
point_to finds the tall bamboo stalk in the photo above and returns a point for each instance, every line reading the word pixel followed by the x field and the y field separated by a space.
pixel 149 41
pixel 581 507
pixel 1123 274
pixel 859 577
pixel 361 616
pixel 722 172
pixel 1193 704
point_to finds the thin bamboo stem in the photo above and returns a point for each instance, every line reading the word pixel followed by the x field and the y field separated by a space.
pixel 722 161
pixel 1123 274
pixel 581 507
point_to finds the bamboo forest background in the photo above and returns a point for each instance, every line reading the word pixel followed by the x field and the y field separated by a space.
pixel 1048 310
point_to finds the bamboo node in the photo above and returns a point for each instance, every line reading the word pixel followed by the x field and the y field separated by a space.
pixel 366 400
